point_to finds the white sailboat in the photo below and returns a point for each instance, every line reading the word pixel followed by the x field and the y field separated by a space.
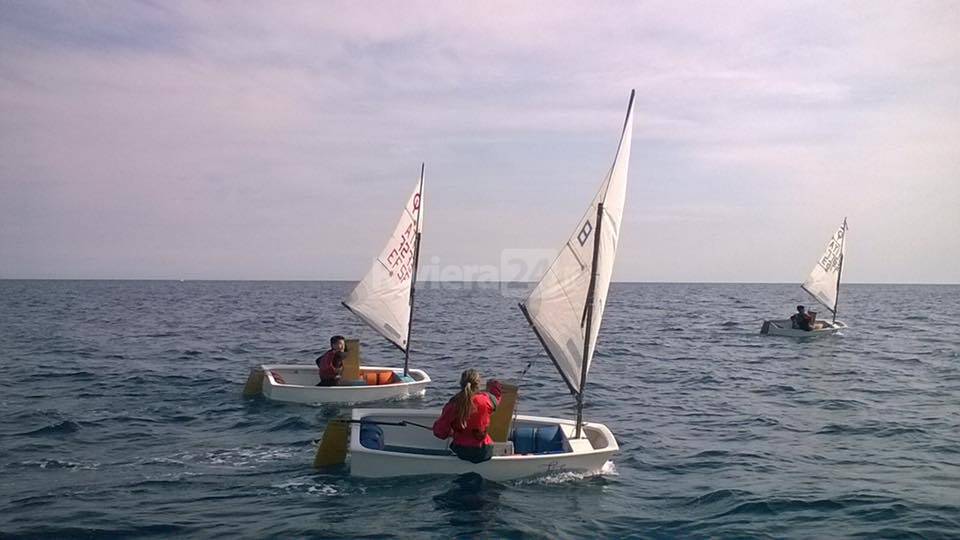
pixel 384 300
pixel 823 284
pixel 564 310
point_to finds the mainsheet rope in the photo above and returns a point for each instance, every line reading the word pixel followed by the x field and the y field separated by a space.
pixel 516 409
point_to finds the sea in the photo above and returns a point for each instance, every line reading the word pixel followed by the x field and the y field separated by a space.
pixel 123 415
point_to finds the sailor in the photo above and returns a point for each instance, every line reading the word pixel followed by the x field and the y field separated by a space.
pixel 801 319
pixel 467 416
pixel 331 363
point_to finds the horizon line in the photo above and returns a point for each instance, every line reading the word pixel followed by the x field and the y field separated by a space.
pixel 653 282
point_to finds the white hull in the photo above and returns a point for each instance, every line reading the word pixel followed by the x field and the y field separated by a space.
pixel 784 327
pixel 299 385
pixel 398 458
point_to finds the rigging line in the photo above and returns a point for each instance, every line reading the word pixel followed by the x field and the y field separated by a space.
pixel 402 423
pixel 516 409
pixel 573 251
pixel 385 267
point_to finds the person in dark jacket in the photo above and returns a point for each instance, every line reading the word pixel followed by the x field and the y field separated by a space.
pixel 801 319
pixel 466 418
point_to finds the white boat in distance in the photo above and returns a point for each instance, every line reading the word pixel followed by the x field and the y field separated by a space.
pixel 565 310
pixel 298 384
pixel 384 300
pixel 823 284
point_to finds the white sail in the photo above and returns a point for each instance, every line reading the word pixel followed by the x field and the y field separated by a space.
pixel 557 308
pixel 823 282
pixel 382 298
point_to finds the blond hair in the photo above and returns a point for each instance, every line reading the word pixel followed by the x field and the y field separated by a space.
pixel 469 386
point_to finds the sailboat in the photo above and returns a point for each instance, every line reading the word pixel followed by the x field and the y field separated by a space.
pixel 823 284
pixel 565 310
pixel 384 300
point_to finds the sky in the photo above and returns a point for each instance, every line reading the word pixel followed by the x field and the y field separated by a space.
pixel 280 140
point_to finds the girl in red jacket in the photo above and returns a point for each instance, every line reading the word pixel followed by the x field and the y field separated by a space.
pixel 467 417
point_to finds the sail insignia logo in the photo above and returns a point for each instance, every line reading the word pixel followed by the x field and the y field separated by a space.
pixel 584 234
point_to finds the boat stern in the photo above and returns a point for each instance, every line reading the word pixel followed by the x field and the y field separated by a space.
pixel 254 386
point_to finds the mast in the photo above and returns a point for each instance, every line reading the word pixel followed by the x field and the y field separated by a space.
pixel 589 319
pixel 413 278
pixel 836 301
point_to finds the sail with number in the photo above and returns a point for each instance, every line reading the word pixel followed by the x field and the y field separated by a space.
pixel 383 298
pixel 565 308
pixel 823 283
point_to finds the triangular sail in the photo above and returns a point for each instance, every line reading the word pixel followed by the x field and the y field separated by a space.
pixel 382 298
pixel 558 308
pixel 823 283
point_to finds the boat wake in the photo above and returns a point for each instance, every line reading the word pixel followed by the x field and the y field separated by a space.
pixel 608 469
pixel 233 457
pixel 307 485
pixel 58 464
pixel 347 404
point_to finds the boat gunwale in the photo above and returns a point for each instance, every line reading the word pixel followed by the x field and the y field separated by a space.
pixel 339 388
pixel 359 414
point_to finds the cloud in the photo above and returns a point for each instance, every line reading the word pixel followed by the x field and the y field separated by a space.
pixel 159 139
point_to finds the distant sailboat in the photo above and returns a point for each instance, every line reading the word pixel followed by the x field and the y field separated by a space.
pixel 384 300
pixel 823 284
pixel 564 310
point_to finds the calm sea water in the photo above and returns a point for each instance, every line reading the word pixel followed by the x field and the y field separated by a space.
pixel 122 415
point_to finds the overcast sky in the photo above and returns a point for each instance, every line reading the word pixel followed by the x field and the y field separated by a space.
pixel 279 140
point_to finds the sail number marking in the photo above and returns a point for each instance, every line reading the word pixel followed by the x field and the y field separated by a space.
pixel 400 259
pixel 831 257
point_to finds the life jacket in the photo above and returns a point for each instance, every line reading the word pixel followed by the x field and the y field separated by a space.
pixel 325 363
pixel 482 434
pixel 474 433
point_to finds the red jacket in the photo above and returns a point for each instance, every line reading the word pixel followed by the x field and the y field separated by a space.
pixel 474 434
pixel 326 364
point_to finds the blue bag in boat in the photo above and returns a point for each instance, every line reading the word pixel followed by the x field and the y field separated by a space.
pixel 537 440
pixel 371 436
pixel 549 439
pixel 523 440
